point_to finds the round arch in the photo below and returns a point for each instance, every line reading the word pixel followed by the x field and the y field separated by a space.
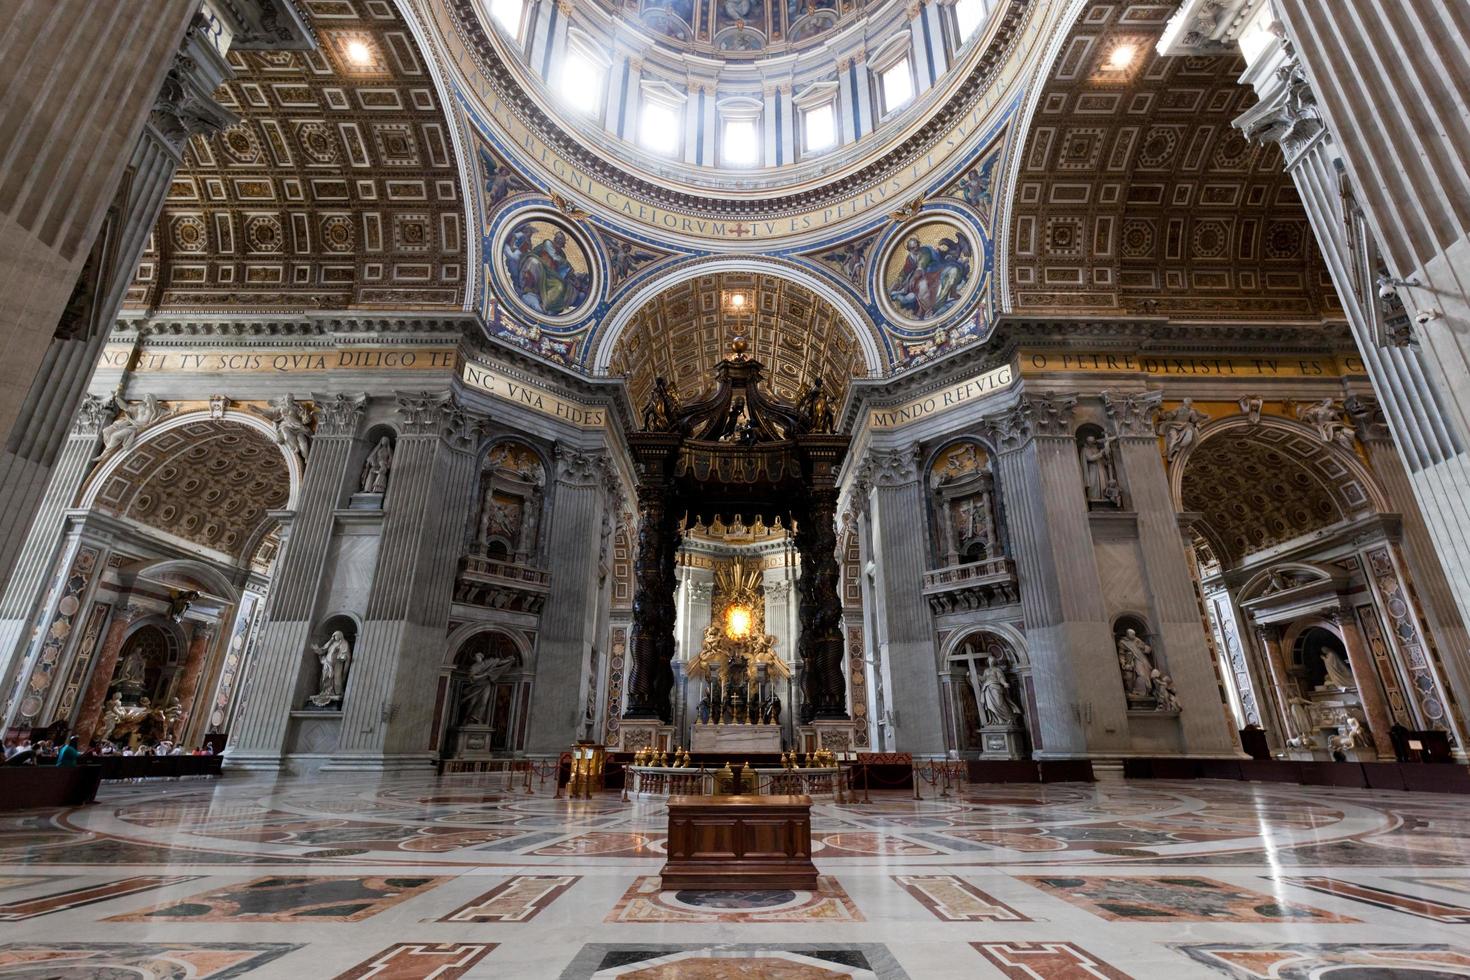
pixel 198 571
pixel 1340 481
pixel 99 477
pixel 1013 637
pixel 457 640
pixel 622 313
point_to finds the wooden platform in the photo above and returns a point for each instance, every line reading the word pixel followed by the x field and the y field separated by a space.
pixel 735 843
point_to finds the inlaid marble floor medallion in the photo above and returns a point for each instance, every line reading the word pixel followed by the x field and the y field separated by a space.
pixel 412 877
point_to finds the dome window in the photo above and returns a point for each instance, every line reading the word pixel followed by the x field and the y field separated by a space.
pixel 969 15
pixel 740 138
pixel 816 108
pixel 582 82
pixel 896 83
pixel 510 15
pixel 660 118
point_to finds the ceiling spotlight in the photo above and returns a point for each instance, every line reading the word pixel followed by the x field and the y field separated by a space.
pixel 737 300
pixel 1122 56
pixel 359 53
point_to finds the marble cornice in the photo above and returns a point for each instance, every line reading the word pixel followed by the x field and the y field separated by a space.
pixel 608 393
pixel 866 394
pixel 1158 335
pixel 325 330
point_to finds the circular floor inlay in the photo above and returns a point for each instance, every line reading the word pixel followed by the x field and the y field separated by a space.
pixel 734 900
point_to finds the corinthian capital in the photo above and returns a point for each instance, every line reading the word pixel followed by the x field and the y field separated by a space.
pixel 92 414
pixel 1010 429
pixel 894 467
pixel 1133 415
pixel 1287 113
pixel 422 412
pixel 185 105
pixel 1051 415
pixel 338 415
pixel 573 466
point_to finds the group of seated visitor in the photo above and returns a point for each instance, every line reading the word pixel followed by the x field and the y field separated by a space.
pixel 68 753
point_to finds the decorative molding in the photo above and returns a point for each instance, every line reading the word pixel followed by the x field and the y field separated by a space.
pixel 894 467
pixel 337 415
pixel 1133 414
pixel 577 468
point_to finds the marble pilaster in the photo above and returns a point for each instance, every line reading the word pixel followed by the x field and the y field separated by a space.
pixel 900 535
pixel 1370 689
pixel 568 626
pixel 89 712
pixel 258 739
pixel 387 708
pixel 1181 649
pixel 195 660
pixel 1079 694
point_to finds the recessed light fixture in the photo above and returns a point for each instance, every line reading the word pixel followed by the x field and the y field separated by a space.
pixel 359 53
pixel 1122 56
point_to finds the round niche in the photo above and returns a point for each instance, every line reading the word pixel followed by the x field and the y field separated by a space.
pixel 930 270
pixel 546 266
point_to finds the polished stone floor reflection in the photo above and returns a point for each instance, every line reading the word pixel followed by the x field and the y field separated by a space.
pixel 417 877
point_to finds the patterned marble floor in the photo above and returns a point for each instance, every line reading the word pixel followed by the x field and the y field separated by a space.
pixel 416 877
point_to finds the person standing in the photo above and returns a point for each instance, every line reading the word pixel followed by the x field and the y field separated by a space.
pixel 68 755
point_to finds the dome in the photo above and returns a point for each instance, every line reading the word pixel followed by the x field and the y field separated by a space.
pixel 738 122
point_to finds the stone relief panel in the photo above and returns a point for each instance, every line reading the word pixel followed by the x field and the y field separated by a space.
pixel 965 526
pixel 512 496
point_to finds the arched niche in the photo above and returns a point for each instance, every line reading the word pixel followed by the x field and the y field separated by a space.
pixel 974 730
pixel 1138 658
pixel 151 652
pixel 511 503
pixel 1100 481
pixel 314 671
pixel 370 486
pixel 965 517
pixel 485 694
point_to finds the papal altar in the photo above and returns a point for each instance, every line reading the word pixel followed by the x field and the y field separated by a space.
pixel 736 739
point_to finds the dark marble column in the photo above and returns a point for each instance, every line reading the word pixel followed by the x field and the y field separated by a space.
pixel 820 608
pixel 653 578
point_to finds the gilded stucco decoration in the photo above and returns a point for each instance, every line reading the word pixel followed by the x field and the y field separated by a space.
pixel 1135 194
pixel 208 482
pixel 1259 487
pixel 683 332
pixel 337 189
pixel 735 29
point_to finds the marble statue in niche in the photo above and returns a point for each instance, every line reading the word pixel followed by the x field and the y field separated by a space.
pixel 476 698
pixel 335 658
pixel 1136 660
pixel 1099 470
pixel 375 468
pixel 1339 675
pixel 1161 686
pixel 997 708
pixel 1180 428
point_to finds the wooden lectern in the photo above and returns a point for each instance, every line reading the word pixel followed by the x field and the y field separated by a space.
pixel 734 843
